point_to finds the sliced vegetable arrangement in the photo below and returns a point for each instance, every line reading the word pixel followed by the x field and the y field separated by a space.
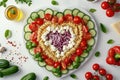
pixel 57 65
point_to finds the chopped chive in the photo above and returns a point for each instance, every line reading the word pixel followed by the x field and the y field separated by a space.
pixel 73 76
pixel 92 10
pixel 111 41
pixel 103 28
pixel 97 54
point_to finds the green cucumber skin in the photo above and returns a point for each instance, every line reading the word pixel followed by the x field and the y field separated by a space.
pixel 29 76
pixel 4 63
pixel 9 71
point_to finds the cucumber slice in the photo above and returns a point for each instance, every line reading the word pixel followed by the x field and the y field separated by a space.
pixel 34 15
pixel 70 67
pixel 91 42
pixel 55 12
pixel 57 74
pixel 27 36
pixel 49 68
pixel 82 59
pixel 31 51
pixel 59 14
pixel 86 17
pixel 64 71
pixel 26 28
pixel 42 64
pixel 75 12
pixel 90 24
pixel 93 32
pixel 29 20
pixel 67 11
pixel 84 54
pixel 80 14
pixel 41 13
pixel 50 11
pixel 89 48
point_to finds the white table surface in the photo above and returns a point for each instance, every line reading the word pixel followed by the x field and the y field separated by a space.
pixel 31 65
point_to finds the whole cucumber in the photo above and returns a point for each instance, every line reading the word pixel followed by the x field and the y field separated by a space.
pixel 9 71
pixel 30 76
pixel 4 63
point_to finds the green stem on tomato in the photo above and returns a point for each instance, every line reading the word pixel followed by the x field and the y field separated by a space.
pixel 117 56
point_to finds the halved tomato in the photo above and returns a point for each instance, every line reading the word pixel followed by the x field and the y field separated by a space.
pixel 33 37
pixel 49 61
pixel 68 17
pixel 56 64
pixel 73 57
pixel 55 19
pixel 87 36
pixel 39 21
pixel 48 16
pixel 84 28
pixel 38 49
pixel 77 20
pixel 63 65
pixel 61 20
pixel 44 56
pixel 33 26
pixel 79 51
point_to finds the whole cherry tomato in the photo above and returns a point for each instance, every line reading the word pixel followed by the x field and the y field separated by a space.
pixel 117 49
pixel 48 16
pixel 39 21
pixel 88 75
pixel 111 1
pixel 102 71
pixel 110 60
pixel 105 5
pixel 77 20
pixel 111 52
pixel 96 77
pixel 109 77
pixel 33 26
pixel 96 66
pixel 110 12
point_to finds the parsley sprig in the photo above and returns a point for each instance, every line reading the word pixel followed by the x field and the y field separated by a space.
pixel 29 2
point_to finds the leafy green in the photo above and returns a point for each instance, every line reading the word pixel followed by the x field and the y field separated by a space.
pixel 111 41
pixel 103 28
pixel 8 34
pixel 92 10
pixel 46 78
pixel 73 76
pixel 54 2
pixel 29 2
pixel 3 3
pixel 97 54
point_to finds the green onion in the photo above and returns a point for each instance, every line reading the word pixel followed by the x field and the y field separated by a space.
pixel 7 34
pixel 103 28
pixel 97 54
pixel 73 76
pixel 92 10
pixel 46 78
pixel 111 41
pixel 54 2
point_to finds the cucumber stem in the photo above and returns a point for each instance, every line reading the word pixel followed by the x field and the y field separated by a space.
pixel 117 56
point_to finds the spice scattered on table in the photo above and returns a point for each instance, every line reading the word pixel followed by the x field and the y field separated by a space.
pixel 2 49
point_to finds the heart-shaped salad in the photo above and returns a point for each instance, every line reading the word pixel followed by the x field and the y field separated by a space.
pixel 59 41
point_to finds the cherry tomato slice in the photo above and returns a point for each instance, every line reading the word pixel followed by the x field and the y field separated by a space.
pixel 39 21
pixel 110 12
pixel 48 16
pixel 77 20
pixel 88 75
pixel 105 5
pixel 33 26
pixel 49 61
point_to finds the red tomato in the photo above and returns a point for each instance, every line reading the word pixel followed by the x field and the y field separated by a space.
pixel 83 43
pixel 87 36
pixel 38 50
pixel 33 26
pixel 110 60
pixel 61 20
pixel 85 29
pixel 88 75
pixel 68 17
pixel 102 71
pixel 77 20
pixel 79 51
pixel 55 19
pixel 109 77
pixel 111 1
pixel 110 12
pixel 67 60
pixel 96 77
pixel 96 66
pixel 33 37
pixel 117 49
pixel 39 21
pixel 48 16
pixel 63 65
pixel 73 57
pixel 49 61
pixel 111 52
pixel 116 7
pixel 105 5
pixel 44 56
pixel 56 64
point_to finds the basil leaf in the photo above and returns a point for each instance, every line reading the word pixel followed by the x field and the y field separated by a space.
pixel 46 78
pixel 8 34
pixel 92 10
pixel 73 76
pixel 103 28
pixel 54 2
pixel 111 41
pixel 97 54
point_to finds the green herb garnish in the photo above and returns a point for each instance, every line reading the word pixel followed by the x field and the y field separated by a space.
pixel 97 54
pixel 29 2
pixel 54 2
pixel 111 41
pixel 92 10
pixel 73 76
pixel 3 3
pixel 103 28
pixel 46 78
pixel 12 11
pixel 8 34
